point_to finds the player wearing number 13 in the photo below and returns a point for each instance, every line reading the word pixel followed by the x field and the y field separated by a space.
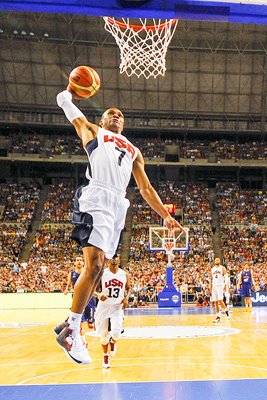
pixel 100 207
pixel 113 298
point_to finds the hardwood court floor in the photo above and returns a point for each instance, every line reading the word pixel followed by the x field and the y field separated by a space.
pixel 159 346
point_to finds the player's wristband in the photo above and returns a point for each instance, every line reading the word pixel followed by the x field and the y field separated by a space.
pixel 64 100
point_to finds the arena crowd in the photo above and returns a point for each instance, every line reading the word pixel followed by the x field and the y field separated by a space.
pixel 242 225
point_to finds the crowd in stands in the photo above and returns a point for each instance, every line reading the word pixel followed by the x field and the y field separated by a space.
pixel 45 145
pixel 59 203
pixel 17 206
pixel 52 240
pixel 243 224
pixel 12 238
pixel 53 245
pixel 33 277
pixel 21 143
pixel 65 146
pixel 194 149
pixel 19 201
pixel 152 148
pixel 238 206
pixel 191 199
pixel 243 220
pixel 243 238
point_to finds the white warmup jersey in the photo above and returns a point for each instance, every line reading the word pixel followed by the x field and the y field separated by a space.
pixel 217 283
pixel 217 276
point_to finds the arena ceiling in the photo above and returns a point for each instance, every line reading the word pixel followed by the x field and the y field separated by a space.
pixel 213 68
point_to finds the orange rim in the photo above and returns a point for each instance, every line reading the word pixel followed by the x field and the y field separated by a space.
pixel 141 27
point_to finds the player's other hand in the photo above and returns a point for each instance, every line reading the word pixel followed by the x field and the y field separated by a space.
pixel 124 303
pixel 172 224
pixel 102 297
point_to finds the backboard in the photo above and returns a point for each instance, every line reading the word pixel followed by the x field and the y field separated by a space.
pixel 160 239
pixel 245 11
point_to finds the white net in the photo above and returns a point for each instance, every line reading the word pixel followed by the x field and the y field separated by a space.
pixel 168 244
pixel 143 47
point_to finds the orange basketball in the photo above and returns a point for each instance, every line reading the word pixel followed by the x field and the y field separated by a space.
pixel 84 82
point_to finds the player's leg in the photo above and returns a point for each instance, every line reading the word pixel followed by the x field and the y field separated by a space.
pixel 70 338
pixel 249 299
pixel 216 303
pixel 94 261
pixel 106 356
pixel 221 303
pixel 227 300
pixel 102 329
pixel 217 310
pixel 224 307
pixel 247 296
pixel 248 303
pixel 89 313
pixel 116 330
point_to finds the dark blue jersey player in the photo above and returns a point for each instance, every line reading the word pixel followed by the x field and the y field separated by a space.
pixel 246 280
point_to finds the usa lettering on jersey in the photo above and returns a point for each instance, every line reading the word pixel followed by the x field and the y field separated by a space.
pixel 114 282
pixel 121 143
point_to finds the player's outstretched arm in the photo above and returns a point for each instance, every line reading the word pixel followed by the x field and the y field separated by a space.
pixel 150 195
pixel 85 129
pixel 253 280
pixel 239 281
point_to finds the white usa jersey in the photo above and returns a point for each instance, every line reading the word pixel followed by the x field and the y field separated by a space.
pixel 111 158
pixel 113 286
pixel 217 276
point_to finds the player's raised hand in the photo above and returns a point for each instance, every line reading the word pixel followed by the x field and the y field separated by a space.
pixel 74 95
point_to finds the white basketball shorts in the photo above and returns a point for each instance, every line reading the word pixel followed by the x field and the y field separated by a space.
pixel 100 218
pixel 217 293
pixel 103 313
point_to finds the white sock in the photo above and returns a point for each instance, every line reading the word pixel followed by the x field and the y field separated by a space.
pixel 75 322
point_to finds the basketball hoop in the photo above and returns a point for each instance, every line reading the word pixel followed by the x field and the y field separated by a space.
pixel 143 47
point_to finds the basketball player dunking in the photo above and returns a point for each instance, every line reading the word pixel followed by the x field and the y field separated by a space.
pixel 100 207
pixel 113 298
